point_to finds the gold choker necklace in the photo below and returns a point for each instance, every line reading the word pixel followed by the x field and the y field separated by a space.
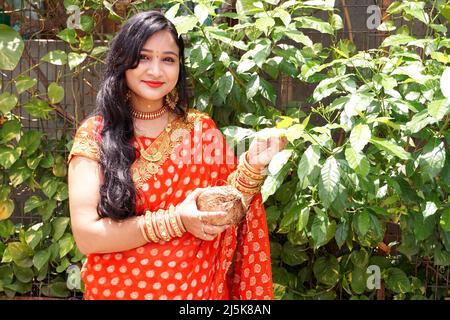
pixel 148 115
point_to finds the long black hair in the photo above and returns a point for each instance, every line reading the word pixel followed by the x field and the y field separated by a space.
pixel 118 193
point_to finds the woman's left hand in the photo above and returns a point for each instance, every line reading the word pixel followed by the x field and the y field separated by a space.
pixel 262 150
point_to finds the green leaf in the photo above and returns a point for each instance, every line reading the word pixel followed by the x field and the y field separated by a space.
pixel 390 147
pixel 309 22
pixel 397 40
pixel 439 108
pixel 55 93
pixel 32 203
pixel 172 12
pixel 76 59
pixel 87 23
pixel 264 23
pixel 445 84
pixel 303 218
pixel 24 275
pixel 360 136
pixel 252 86
pixel 33 238
pixel 445 219
pixel 432 159
pixel 19 173
pixel 47 209
pixel 272 183
pixel 8 156
pixel 7 102
pixel 11 48
pixel 87 43
pixel 184 24
pixel 41 258
pixel 293 255
pixel 30 142
pixel 99 50
pixel 299 37
pixel 56 57
pixel 357 161
pixel 245 65
pixel 68 35
pixel 49 185
pixel 361 222
pixel 328 86
pixel 65 245
pixel 419 121
pixel 327 270
pixel 38 108
pixel 201 12
pixel 24 83
pixel 358 280
pixel 10 130
pixel 430 209
pixel 59 227
pixel 225 85
pixel 397 280
pixel 56 289
pixel 19 251
pixel 309 161
pixel 279 160
pixel 329 180
pixel 322 230
pixel 341 233
pixel 360 258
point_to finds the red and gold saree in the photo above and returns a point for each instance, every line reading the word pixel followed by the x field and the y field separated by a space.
pixel 235 265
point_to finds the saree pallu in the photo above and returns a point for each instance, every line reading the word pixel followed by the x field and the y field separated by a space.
pixel 234 265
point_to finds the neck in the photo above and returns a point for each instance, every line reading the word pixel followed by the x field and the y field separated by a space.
pixel 144 105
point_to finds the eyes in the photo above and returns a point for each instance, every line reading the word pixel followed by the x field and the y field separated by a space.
pixel 143 57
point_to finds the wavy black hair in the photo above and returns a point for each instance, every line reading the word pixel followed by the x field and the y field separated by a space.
pixel 118 193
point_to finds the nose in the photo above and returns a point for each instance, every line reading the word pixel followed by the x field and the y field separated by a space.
pixel 154 68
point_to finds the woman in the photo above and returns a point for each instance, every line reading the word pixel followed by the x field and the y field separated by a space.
pixel 137 167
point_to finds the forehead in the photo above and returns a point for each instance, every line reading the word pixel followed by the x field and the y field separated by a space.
pixel 161 41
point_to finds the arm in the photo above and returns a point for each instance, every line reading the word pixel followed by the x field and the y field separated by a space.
pixel 92 233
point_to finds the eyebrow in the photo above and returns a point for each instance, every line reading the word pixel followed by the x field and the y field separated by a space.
pixel 165 52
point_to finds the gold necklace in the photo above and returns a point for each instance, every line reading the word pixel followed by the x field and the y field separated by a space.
pixel 156 155
pixel 148 115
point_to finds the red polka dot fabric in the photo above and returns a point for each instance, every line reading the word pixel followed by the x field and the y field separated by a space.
pixel 235 265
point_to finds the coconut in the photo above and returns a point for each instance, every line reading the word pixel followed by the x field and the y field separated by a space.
pixel 223 198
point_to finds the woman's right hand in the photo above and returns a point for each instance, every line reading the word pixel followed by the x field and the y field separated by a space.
pixel 192 218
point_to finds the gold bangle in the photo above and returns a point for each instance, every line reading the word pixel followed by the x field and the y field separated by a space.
pixel 141 228
pixel 168 224
pixel 149 227
pixel 161 226
pixel 251 168
pixel 246 171
pixel 180 223
pixel 173 221
pixel 155 226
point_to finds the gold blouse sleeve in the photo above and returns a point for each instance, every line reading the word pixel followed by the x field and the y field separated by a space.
pixel 86 142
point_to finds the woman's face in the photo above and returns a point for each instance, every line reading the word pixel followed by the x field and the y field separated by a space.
pixel 158 69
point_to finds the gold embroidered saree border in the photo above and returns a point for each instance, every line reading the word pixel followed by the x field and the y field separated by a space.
pixel 84 145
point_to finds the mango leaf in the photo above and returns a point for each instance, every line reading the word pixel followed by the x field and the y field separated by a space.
pixel 12 46
pixel 329 180
pixel 7 102
pixel 326 270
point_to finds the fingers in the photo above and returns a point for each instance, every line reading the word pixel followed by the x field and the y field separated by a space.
pixel 214 230
pixel 209 215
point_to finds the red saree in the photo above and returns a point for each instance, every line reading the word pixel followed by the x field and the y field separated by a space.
pixel 235 265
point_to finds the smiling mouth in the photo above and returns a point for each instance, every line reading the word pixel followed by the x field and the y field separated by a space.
pixel 154 84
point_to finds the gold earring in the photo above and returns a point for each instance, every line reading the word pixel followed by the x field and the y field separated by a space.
pixel 172 99
pixel 128 95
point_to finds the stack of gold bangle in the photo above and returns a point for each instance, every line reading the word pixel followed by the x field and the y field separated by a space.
pixel 162 225
pixel 246 178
